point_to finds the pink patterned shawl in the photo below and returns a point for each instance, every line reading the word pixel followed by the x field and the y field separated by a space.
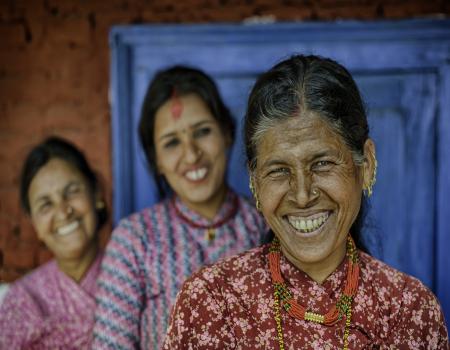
pixel 48 310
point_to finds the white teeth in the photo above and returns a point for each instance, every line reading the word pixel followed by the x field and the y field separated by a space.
pixel 66 229
pixel 197 174
pixel 307 225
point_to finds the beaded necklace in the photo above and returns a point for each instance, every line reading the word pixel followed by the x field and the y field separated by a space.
pixel 283 296
pixel 210 230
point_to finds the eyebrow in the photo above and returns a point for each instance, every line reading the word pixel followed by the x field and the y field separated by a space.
pixel 193 126
pixel 320 154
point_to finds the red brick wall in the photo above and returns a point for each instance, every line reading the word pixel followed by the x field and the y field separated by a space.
pixel 54 78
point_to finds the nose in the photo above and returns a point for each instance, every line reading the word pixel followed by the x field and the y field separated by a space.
pixel 302 189
pixel 64 210
pixel 192 152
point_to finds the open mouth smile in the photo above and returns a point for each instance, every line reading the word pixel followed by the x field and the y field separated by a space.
pixel 197 174
pixel 67 229
pixel 308 224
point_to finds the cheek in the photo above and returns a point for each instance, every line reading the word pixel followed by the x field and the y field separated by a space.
pixel 271 195
pixel 215 146
pixel 41 226
pixel 167 160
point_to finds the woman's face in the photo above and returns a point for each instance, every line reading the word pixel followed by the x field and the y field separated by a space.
pixel 309 188
pixel 191 151
pixel 63 210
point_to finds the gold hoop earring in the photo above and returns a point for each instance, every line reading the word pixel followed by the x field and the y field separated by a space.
pixel 99 204
pixel 373 180
pixel 255 195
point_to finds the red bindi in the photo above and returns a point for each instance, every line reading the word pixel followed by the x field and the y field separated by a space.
pixel 177 106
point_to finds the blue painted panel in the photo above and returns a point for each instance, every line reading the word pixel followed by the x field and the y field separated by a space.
pixel 402 69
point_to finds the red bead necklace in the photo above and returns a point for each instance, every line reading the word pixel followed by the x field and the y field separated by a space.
pixel 283 296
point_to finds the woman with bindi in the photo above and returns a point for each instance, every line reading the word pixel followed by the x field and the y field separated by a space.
pixel 53 306
pixel 314 286
pixel 186 132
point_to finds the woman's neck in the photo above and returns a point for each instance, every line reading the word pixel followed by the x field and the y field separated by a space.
pixel 77 268
pixel 209 209
pixel 319 272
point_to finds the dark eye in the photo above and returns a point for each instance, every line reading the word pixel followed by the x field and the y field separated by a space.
pixel 44 207
pixel 202 132
pixel 278 172
pixel 323 165
pixel 171 143
pixel 73 190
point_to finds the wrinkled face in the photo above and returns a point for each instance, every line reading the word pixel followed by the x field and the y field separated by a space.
pixel 63 210
pixel 191 151
pixel 309 188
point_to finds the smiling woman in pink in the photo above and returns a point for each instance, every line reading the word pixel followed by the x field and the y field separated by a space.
pixel 186 132
pixel 53 306
pixel 312 166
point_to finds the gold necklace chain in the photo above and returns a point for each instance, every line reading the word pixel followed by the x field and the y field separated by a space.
pixel 344 305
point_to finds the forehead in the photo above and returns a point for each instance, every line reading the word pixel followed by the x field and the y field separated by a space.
pixel 303 136
pixel 53 176
pixel 193 110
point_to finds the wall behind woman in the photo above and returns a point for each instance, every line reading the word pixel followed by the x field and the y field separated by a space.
pixel 54 79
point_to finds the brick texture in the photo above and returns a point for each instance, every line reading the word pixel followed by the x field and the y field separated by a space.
pixel 54 79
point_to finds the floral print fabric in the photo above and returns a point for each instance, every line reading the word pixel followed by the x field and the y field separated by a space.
pixel 48 310
pixel 230 306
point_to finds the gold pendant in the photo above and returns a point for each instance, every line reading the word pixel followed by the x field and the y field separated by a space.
pixel 210 234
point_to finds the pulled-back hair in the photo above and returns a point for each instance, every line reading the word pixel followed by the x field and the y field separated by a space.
pixel 179 81
pixel 315 84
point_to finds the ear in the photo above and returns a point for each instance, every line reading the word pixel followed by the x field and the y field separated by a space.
pixel 98 199
pixel 370 160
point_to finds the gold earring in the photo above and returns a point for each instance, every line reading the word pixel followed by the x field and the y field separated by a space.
pixel 255 195
pixel 373 180
pixel 99 204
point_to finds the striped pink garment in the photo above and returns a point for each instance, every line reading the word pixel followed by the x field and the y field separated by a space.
pixel 46 309
pixel 149 256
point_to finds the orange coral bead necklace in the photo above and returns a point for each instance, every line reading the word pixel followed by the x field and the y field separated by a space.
pixel 283 296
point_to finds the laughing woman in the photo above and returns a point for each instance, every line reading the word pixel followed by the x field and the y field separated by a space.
pixel 312 287
pixel 186 132
pixel 52 307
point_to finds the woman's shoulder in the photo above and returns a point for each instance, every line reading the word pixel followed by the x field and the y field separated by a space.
pixel 26 292
pixel 38 277
pixel 393 284
pixel 146 214
pixel 143 221
pixel 250 264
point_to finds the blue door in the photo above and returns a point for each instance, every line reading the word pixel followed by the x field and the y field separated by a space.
pixel 403 71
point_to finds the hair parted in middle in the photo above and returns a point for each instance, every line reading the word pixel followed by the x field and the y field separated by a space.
pixel 314 84
pixel 179 81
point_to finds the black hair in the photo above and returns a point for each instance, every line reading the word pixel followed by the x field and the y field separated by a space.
pixel 55 147
pixel 315 84
pixel 180 81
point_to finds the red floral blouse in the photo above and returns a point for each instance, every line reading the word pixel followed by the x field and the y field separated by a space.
pixel 230 306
